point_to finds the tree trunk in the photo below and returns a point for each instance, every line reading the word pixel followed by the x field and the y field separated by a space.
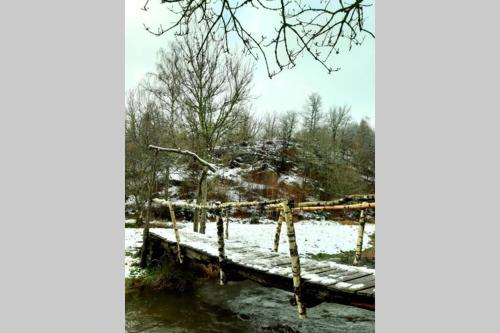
pixel 199 200
pixel 294 256
pixel 278 232
pixel 203 217
pixel 139 214
pixel 359 243
pixel 227 224
pixel 220 237
pixel 176 231
pixel 145 246
pixel 145 234
pixel 167 181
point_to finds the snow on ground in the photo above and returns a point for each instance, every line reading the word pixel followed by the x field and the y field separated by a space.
pixel 313 236
pixel 173 191
pixel 227 173
pixel 133 242
pixel 291 179
pixel 232 195
pixel 130 200
pixel 178 174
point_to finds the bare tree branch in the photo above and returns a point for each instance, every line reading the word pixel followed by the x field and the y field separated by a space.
pixel 210 166
pixel 319 30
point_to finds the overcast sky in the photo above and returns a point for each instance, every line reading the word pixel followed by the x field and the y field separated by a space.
pixel 353 85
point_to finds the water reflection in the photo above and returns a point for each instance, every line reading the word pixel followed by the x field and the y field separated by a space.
pixel 237 307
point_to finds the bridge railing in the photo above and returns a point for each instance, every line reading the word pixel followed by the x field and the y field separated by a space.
pixel 285 208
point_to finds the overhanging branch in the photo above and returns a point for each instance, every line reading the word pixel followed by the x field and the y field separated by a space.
pixel 209 165
pixel 319 29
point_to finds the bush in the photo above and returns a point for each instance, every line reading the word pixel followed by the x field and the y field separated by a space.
pixel 371 243
pixel 165 276
pixel 254 220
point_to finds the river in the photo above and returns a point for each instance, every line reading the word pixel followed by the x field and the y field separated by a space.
pixel 240 307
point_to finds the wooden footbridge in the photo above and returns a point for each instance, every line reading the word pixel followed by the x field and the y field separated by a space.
pixel 311 281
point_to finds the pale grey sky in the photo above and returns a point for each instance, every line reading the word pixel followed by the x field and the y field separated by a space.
pixel 353 85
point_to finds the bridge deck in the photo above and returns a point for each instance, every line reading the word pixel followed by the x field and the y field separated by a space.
pixel 329 280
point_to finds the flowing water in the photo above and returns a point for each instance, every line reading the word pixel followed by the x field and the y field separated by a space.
pixel 237 307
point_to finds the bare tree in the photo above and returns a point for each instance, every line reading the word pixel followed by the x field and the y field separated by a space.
pixel 364 153
pixel 337 119
pixel 312 114
pixel 288 125
pixel 143 127
pixel 270 126
pixel 248 130
pixel 213 92
pixel 319 30
pixel 164 85
pixel 310 133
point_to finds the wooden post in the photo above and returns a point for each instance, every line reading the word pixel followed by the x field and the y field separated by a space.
pixel 203 219
pixel 227 224
pixel 167 181
pixel 150 252
pixel 145 240
pixel 145 246
pixel 220 236
pixel 145 234
pixel 359 242
pixel 176 231
pixel 278 232
pixel 294 256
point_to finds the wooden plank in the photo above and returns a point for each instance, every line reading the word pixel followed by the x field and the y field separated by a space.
pixel 321 270
pixel 253 254
pixel 343 276
pixel 263 262
pixel 266 255
pixel 282 271
pixel 315 270
pixel 240 245
pixel 331 271
pixel 353 277
pixel 283 262
pixel 353 285
pixel 370 291
pixel 310 266
pixel 362 279
pixel 280 261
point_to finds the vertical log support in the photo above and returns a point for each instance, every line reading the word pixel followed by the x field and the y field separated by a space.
pixel 203 218
pixel 359 242
pixel 294 256
pixel 176 231
pixel 278 232
pixel 145 255
pixel 196 218
pixel 226 231
pixel 145 245
pixel 145 240
pixel 220 236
